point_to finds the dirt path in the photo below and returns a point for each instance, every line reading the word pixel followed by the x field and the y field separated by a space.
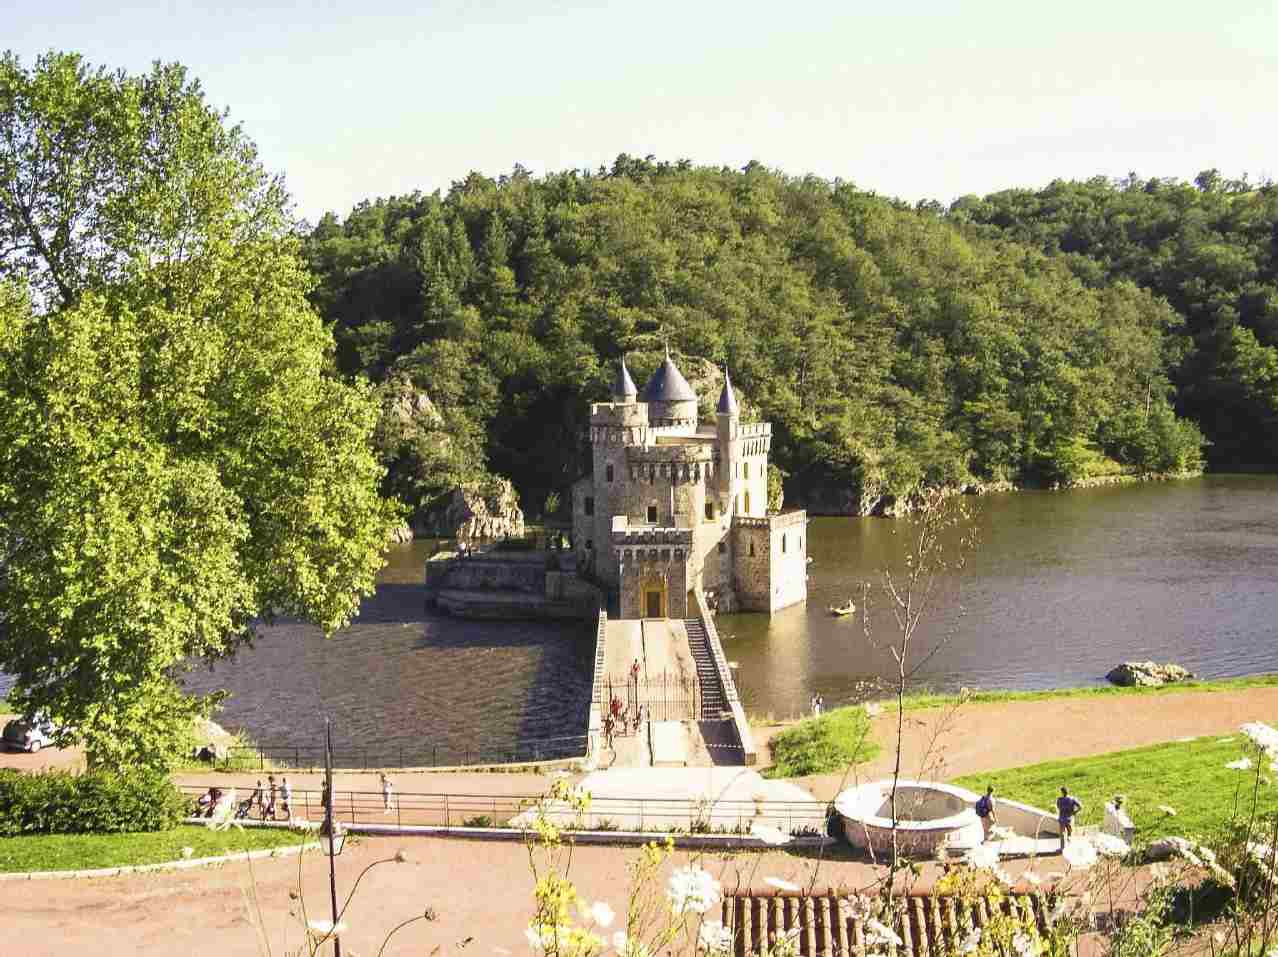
pixel 479 890
pixel 947 743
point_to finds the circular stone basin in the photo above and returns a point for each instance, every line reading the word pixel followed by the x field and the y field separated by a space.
pixel 927 814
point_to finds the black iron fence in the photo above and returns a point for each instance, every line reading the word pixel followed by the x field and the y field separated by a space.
pixel 667 696
pixel 391 755
pixel 409 809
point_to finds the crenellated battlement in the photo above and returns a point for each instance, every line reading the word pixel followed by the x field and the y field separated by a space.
pixel 672 506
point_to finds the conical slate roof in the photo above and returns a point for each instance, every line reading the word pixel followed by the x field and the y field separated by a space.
pixel 668 384
pixel 623 386
pixel 727 400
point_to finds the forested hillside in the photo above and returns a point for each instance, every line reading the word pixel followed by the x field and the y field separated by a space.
pixel 1209 248
pixel 889 346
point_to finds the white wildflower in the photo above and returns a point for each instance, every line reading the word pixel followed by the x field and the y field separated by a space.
pixel 714 938
pixel 602 914
pixel 1026 944
pixel 769 835
pixel 970 942
pixel 857 907
pixel 533 936
pixel 692 890
pixel 1159 872
pixel 781 884
pixel 619 941
pixel 983 855
pixel 1218 937
pixel 223 814
pixel 1109 845
pixel 873 709
pixel 1167 809
pixel 1242 764
pixel 877 932
pixel 1080 854
pixel 324 928
pixel 1262 736
pixel 1001 876
pixel 186 853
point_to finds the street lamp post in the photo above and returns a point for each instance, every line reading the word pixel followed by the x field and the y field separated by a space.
pixel 330 840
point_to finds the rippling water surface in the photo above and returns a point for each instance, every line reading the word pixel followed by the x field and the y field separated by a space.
pixel 1063 586
pixel 400 677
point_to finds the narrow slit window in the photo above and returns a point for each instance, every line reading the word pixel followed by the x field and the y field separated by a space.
pixel 652 515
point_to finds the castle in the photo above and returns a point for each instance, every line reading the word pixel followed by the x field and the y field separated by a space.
pixel 671 506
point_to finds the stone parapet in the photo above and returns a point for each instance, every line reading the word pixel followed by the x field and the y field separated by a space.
pixel 750 753
pixel 647 536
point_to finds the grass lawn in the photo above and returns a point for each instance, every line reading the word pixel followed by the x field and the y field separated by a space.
pixel 61 852
pixel 828 743
pixel 1189 776
pixel 915 702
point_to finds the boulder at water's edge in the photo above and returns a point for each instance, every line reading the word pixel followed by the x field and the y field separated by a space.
pixel 1148 674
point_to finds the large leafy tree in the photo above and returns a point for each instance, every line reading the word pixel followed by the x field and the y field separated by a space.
pixel 177 460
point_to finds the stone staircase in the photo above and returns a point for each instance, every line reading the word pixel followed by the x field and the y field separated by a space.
pixel 713 702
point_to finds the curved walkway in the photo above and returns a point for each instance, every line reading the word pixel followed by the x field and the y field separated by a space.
pixel 945 743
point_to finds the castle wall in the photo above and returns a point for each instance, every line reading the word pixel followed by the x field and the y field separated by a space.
pixel 775 576
pixel 752 564
pixel 664 471
pixel 789 547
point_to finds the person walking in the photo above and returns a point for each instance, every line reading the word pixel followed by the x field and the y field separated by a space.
pixel 387 793
pixel 987 812
pixel 257 801
pixel 269 810
pixel 1067 808
pixel 286 798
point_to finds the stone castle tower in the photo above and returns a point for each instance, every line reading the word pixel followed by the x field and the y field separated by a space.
pixel 672 506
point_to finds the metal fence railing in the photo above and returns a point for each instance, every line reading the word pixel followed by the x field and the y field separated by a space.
pixel 352 807
pixel 263 757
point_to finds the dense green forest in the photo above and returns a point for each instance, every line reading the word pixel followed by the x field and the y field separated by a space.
pixel 1209 248
pixel 1025 337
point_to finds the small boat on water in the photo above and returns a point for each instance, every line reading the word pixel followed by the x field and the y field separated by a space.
pixel 841 611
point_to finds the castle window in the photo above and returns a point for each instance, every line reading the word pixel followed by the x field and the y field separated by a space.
pixel 608 473
pixel 590 505
pixel 783 543
pixel 752 549
pixel 709 511
pixel 722 548
pixel 747 502
pixel 590 544
pixel 746 468
pixel 652 515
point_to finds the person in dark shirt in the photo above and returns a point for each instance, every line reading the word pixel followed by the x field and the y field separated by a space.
pixel 987 812
pixel 1067 807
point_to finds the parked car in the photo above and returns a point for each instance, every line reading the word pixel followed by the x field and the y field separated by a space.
pixel 28 734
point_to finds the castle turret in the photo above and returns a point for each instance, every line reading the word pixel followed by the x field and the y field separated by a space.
pixel 623 387
pixel 728 417
pixel 671 401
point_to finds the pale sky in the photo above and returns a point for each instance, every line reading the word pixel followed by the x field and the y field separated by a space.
pixel 912 99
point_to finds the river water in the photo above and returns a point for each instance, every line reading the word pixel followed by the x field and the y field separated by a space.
pixel 1064 586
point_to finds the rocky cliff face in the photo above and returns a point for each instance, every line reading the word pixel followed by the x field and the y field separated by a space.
pixel 480 511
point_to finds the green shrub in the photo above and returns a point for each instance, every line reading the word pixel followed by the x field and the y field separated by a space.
pixel 58 802
pixel 481 820
pixel 831 742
